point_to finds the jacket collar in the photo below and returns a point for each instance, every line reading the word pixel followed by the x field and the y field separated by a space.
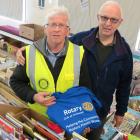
pixel 90 41
pixel 41 45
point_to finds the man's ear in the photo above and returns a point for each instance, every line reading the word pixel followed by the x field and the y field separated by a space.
pixel 97 16
pixel 68 32
pixel 121 20
pixel 45 28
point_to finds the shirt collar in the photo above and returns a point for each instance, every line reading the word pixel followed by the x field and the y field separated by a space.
pixel 111 44
pixel 61 53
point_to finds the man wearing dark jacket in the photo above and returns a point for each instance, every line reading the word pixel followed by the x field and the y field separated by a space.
pixel 109 61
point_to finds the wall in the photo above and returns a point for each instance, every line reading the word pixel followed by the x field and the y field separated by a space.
pixel 33 13
pixel 84 20
pixel 79 15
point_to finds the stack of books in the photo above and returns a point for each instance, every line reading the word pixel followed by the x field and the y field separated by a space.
pixel 7 96
pixel 25 128
pixel 129 125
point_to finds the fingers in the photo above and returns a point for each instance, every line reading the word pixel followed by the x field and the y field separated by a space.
pixel 86 130
pixel 117 121
pixel 49 101
pixel 44 99
pixel 20 60
pixel 19 57
pixel 117 124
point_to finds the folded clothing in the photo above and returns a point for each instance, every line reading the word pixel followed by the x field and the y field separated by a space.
pixel 75 110
pixel 10 29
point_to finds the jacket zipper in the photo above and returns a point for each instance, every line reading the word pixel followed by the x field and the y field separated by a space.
pixel 106 70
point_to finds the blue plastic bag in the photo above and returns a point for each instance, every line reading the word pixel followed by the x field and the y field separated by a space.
pixel 75 110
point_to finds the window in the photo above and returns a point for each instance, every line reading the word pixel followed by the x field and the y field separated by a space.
pixel 13 9
pixel 137 47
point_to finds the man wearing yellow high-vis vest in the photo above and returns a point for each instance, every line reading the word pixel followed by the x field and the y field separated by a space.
pixel 52 64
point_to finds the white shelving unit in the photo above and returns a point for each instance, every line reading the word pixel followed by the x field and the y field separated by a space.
pixel 19 38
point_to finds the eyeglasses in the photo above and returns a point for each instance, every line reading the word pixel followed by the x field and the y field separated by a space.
pixel 112 20
pixel 54 25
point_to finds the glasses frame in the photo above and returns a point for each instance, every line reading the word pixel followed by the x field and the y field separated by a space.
pixel 111 19
pixel 54 26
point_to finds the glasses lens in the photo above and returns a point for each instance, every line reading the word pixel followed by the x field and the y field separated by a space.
pixel 54 25
pixel 113 20
pixel 105 19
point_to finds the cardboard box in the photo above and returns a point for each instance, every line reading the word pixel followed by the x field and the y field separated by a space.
pixel 18 113
pixel 31 31
pixel 8 108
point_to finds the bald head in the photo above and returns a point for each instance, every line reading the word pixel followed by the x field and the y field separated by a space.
pixel 113 7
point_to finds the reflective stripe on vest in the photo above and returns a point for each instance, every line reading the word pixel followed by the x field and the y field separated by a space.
pixel 76 65
pixel 32 65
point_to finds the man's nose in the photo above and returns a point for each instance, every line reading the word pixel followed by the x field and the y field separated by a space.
pixel 57 27
pixel 108 22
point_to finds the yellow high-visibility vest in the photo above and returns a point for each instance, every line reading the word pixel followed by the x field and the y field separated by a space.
pixel 41 78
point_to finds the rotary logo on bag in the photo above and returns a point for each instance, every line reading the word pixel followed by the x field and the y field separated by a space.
pixel 87 106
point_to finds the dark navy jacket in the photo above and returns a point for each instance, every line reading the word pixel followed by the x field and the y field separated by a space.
pixel 115 75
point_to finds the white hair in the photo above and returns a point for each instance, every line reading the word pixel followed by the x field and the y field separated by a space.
pixel 58 10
